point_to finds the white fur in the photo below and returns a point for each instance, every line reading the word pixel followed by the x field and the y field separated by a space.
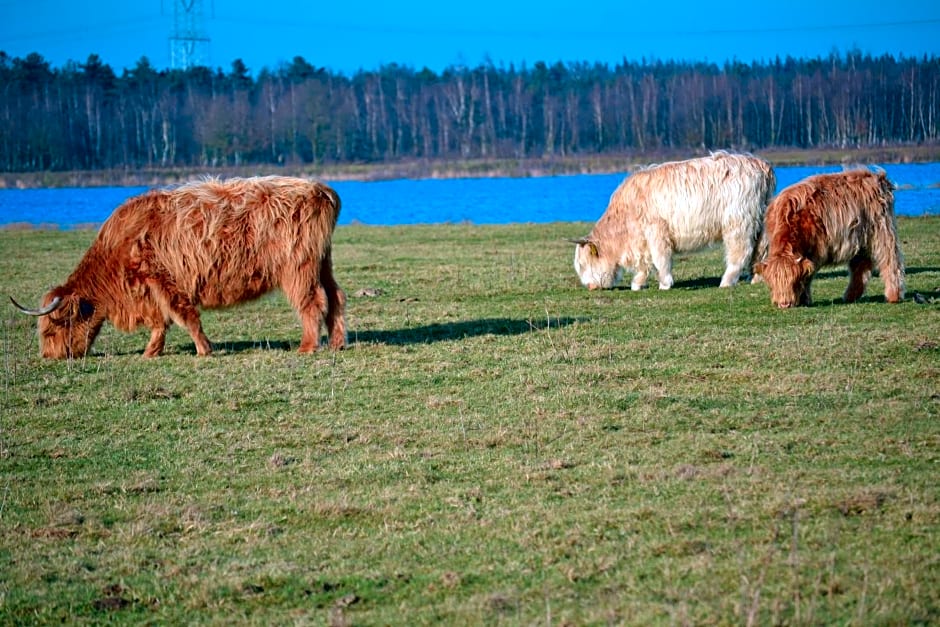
pixel 676 207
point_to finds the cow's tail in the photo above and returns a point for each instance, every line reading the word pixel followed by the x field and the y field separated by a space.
pixel 761 241
pixel 325 204
pixel 334 201
pixel 336 299
pixel 887 245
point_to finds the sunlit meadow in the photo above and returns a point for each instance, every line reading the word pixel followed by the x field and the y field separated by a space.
pixel 497 445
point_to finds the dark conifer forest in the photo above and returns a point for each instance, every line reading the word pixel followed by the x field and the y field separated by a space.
pixel 85 116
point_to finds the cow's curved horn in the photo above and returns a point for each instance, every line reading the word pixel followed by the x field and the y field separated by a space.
pixel 581 241
pixel 42 311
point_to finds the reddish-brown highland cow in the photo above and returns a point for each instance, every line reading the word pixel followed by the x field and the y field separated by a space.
pixel 830 219
pixel 212 243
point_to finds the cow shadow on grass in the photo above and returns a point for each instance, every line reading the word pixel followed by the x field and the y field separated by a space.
pixel 921 297
pixel 920 270
pixel 699 283
pixel 223 347
pixel 424 334
pixel 451 331
pixel 918 296
pixel 715 281
pixel 685 284
pixel 836 272
pixel 711 282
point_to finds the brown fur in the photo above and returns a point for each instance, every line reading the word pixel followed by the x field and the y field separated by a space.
pixel 166 253
pixel 828 219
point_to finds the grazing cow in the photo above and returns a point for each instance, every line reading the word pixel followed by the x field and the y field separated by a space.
pixel 830 219
pixel 166 253
pixel 675 207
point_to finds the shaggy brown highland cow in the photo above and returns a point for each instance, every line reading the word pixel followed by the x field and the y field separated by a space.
pixel 212 243
pixel 830 219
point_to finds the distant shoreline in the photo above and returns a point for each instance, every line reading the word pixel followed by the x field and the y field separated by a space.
pixel 449 169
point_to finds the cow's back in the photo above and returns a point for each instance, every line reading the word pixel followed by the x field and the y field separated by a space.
pixel 225 242
pixel 699 200
pixel 835 215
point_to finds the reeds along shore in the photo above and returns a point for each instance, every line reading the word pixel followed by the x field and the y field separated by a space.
pixel 467 168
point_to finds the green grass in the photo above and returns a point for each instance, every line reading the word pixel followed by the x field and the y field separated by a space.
pixel 498 445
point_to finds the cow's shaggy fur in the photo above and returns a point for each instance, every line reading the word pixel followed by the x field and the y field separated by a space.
pixel 827 219
pixel 678 206
pixel 213 243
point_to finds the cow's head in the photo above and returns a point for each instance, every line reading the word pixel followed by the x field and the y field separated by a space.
pixel 68 324
pixel 596 270
pixel 788 278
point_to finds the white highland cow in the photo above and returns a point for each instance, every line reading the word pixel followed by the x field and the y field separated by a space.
pixel 676 207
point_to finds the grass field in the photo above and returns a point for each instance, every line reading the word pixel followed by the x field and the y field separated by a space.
pixel 497 446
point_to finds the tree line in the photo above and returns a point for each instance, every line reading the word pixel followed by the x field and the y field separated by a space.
pixel 84 116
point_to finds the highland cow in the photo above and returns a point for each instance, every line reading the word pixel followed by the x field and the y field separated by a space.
pixel 165 254
pixel 675 207
pixel 829 219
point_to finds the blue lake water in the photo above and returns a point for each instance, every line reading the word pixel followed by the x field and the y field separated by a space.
pixel 478 201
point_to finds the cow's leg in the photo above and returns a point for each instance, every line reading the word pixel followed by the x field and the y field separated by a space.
pixel 182 311
pixel 760 255
pixel 731 275
pixel 336 304
pixel 639 278
pixel 662 260
pixel 660 250
pixel 859 273
pixel 806 296
pixel 310 301
pixel 187 316
pixel 311 312
pixel 738 252
pixel 157 341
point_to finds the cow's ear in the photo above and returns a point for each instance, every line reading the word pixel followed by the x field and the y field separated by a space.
pixel 759 267
pixel 85 308
pixel 807 267
pixel 583 241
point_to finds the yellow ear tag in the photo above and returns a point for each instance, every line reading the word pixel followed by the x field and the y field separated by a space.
pixel 593 248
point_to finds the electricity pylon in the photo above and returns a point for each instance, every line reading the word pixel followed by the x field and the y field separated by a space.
pixel 189 41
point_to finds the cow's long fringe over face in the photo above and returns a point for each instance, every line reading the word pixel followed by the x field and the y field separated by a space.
pixel 678 206
pixel 69 330
pixel 163 255
pixel 789 280
pixel 594 270
pixel 827 219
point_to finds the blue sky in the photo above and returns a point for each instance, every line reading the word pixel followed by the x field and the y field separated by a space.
pixel 352 35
